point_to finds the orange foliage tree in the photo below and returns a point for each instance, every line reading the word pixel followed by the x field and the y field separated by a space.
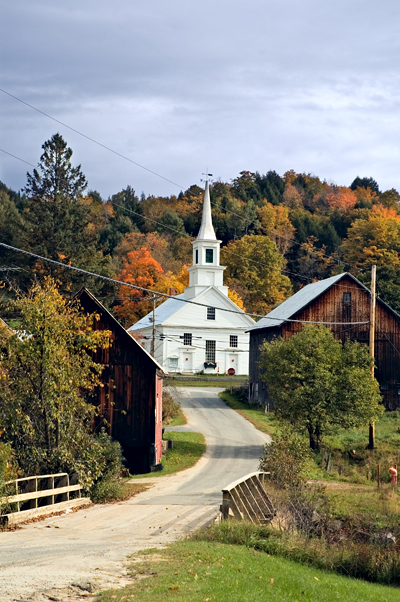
pixel 335 197
pixel 140 269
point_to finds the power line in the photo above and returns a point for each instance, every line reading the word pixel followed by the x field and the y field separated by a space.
pixel 91 140
pixel 160 294
pixel 225 249
pixel 18 158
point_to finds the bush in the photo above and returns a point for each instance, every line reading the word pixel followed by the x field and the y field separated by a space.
pixel 287 459
pixel 8 471
pixel 170 407
pixel 100 468
pixel 107 486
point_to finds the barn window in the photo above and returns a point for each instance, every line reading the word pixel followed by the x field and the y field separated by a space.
pixel 209 255
pixel 346 307
pixel 210 351
pixel 210 313
pixel 233 340
pixel 187 339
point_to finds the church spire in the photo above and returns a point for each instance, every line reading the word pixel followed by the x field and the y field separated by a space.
pixel 206 231
pixel 205 271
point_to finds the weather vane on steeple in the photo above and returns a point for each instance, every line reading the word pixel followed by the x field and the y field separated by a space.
pixel 208 175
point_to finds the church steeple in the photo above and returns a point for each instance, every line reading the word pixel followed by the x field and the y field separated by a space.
pixel 205 271
pixel 206 231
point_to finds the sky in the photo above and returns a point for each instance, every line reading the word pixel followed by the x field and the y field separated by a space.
pixel 185 87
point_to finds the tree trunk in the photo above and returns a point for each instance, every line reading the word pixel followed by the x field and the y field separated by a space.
pixel 314 438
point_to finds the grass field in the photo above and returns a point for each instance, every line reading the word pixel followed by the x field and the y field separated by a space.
pixel 188 449
pixel 212 572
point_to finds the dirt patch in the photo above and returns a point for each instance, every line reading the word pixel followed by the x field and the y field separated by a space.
pixel 342 486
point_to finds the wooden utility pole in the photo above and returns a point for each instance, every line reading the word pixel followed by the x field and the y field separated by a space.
pixel 153 338
pixel 372 344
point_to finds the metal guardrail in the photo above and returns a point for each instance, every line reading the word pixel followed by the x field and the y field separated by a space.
pixel 32 496
pixel 246 499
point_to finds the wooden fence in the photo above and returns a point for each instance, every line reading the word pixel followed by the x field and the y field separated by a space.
pixel 42 494
pixel 246 499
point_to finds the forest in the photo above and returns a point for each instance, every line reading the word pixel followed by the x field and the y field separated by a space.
pixel 278 233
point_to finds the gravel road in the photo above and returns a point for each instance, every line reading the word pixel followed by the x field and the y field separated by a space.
pixel 68 557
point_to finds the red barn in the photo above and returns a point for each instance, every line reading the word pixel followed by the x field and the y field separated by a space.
pixel 130 400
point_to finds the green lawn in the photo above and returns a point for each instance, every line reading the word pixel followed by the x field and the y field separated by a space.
pixel 213 572
pixel 188 449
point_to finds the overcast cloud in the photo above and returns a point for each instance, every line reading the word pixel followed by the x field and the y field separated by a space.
pixel 179 87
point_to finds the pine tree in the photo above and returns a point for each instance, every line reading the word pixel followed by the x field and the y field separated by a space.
pixel 55 175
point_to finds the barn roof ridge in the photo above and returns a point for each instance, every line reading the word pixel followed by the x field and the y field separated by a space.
pixel 286 310
pixel 119 325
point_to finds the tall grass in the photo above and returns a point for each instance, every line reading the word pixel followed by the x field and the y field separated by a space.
pixel 375 563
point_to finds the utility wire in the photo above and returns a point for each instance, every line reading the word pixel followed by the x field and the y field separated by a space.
pixel 147 290
pixel 290 273
pixel 91 139
pixel 226 250
pixel 18 158
pixel 248 222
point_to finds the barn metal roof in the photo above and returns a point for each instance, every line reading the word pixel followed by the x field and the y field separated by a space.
pixel 298 301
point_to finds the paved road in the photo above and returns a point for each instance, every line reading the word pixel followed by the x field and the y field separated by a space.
pixel 92 545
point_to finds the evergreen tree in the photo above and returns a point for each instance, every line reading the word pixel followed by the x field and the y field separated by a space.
pixel 59 222
pixel 55 175
pixel 365 183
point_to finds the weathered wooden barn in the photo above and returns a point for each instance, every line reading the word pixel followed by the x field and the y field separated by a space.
pixel 130 400
pixel 344 304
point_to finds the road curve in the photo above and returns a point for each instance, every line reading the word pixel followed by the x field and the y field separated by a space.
pixel 92 545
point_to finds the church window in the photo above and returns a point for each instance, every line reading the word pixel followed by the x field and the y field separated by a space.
pixel 233 340
pixel 187 339
pixel 197 256
pixel 210 351
pixel 209 255
pixel 173 362
pixel 210 313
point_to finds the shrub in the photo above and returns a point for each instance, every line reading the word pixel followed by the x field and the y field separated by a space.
pixel 8 471
pixel 287 459
pixel 170 407
pixel 104 485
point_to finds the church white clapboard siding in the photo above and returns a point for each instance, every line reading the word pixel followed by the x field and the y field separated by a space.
pixel 202 329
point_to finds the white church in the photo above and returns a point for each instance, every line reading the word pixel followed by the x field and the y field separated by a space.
pixel 201 329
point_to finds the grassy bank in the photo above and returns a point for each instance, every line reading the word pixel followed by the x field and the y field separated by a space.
pixel 264 422
pixel 200 383
pixel 177 420
pixel 337 448
pixel 188 449
pixel 216 572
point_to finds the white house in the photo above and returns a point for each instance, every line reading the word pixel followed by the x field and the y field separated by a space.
pixel 202 329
